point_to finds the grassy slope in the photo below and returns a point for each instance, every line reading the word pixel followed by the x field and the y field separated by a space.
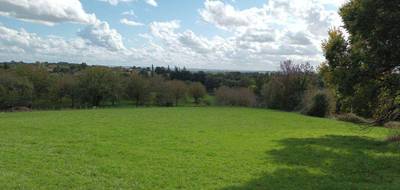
pixel 191 148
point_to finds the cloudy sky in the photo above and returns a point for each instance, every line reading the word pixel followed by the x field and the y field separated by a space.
pixel 208 34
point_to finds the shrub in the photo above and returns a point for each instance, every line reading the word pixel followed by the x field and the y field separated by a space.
pixel 235 97
pixel 208 101
pixel 353 118
pixel 319 106
pixel 287 87
pixel 317 103
pixel 272 94
pixel 394 131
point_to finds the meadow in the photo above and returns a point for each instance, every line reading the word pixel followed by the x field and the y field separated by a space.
pixel 191 148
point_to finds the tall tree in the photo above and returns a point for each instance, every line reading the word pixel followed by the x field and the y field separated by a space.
pixel 15 91
pixel 138 89
pixel 94 85
pixel 197 91
pixel 365 68
pixel 178 89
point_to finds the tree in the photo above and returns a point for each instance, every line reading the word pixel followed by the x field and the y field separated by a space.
pixel 364 70
pixel 286 89
pixel 15 91
pixel 197 91
pixel 162 93
pixel 178 89
pixel 94 85
pixel 272 94
pixel 138 89
pixel 41 81
pixel 115 87
pixel 65 86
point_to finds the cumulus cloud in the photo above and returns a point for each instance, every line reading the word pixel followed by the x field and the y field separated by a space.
pixel 254 38
pixel 116 2
pixel 258 47
pixel 152 3
pixel 279 29
pixel 164 29
pixel 32 47
pixel 130 22
pixel 194 42
pixel 226 16
pixel 51 12
pixel 260 35
pixel 298 38
pixel 100 34
pixel 47 12
pixel 308 15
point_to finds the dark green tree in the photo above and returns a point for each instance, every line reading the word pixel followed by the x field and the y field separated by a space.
pixel 15 91
pixel 364 69
pixel 94 85
pixel 138 89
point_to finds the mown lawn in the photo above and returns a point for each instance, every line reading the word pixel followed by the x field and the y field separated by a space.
pixel 191 148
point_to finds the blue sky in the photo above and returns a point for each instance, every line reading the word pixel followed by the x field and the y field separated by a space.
pixel 209 34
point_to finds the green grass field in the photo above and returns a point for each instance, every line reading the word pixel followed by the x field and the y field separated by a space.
pixel 191 148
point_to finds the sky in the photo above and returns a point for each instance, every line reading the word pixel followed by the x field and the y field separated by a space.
pixel 200 34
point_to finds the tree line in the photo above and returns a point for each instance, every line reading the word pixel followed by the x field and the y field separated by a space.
pixel 33 86
pixel 52 86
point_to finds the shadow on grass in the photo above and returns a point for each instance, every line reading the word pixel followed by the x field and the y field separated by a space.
pixel 332 162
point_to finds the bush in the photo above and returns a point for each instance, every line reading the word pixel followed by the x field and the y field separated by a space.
pixel 235 97
pixel 319 106
pixel 353 118
pixel 317 103
pixel 286 88
pixel 394 131
pixel 272 94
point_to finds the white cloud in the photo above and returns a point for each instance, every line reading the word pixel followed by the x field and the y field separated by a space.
pixel 47 12
pixel 298 38
pixel 129 13
pixel 51 12
pixel 198 44
pixel 164 29
pixel 130 22
pixel 100 34
pixel 22 45
pixel 293 15
pixel 116 2
pixel 253 38
pixel 226 16
pixel 152 3
pixel 279 29
pixel 260 35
